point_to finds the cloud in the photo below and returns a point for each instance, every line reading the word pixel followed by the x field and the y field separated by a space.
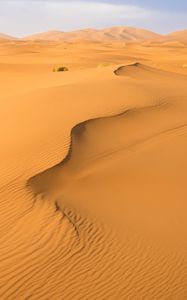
pixel 20 17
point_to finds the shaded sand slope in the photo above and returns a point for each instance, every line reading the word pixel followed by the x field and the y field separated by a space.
pixel 140 71
pixel 93 195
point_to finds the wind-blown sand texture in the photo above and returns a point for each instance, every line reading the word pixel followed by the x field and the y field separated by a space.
pixel 93 171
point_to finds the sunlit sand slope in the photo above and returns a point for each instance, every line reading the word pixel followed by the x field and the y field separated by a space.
pixel 93 180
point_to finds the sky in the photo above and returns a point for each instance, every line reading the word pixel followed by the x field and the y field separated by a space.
pixel 24 17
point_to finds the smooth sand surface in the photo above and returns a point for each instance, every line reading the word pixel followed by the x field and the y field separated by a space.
pixel 93 171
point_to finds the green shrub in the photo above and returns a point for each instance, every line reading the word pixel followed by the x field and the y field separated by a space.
pixel 103 65
pixel 60 69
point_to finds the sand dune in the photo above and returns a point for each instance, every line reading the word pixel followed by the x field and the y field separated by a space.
pixel 114 33
pixel 118 33
pixel 6 37
pixel 180 36
pixel 93 171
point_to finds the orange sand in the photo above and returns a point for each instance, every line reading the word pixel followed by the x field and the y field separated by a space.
pixel 93 171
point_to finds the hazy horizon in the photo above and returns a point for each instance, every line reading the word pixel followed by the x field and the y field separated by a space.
pixel 20 18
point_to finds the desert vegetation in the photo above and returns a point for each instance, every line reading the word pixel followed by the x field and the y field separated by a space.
pixel 60 69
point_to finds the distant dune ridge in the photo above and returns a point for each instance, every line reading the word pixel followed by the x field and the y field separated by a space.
pixel 118 33
pixel 180 36
pixel 6 37
pixel 114 33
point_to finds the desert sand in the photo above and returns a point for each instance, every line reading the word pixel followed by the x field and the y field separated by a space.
pixel 93 170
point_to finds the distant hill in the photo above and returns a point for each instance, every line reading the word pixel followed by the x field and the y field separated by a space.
pixel 114 33
pixel 120 33
pixel 6 37
pixel 179 36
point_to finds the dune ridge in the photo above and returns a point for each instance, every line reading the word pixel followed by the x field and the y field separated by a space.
pixel 180 35
pixel 76 134
pixel 114 33
pixel 118 33
pixel 6 37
